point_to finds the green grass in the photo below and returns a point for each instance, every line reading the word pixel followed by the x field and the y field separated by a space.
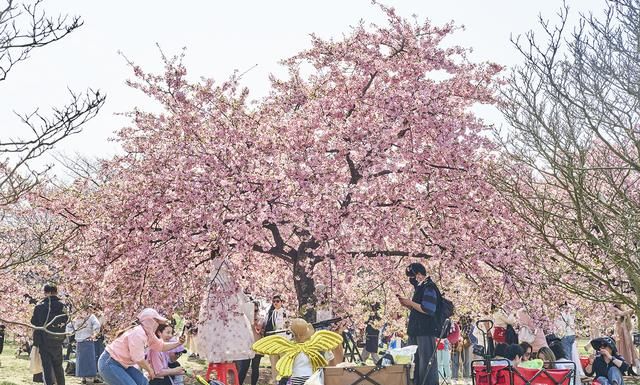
pixel 15 370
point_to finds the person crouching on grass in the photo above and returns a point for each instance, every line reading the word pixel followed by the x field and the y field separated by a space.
pixel 607 364
pixel 116 364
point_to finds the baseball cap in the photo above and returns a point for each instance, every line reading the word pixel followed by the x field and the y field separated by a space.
pixel 149 313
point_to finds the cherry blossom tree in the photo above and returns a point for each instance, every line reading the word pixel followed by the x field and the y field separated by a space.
pixel 364 158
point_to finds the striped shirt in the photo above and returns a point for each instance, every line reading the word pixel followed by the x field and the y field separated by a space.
pixel 429 301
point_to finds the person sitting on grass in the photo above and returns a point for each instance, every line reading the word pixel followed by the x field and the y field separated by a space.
pixel 562 362
pixel 123 359
pixel 500 351
pixel 547 356
pixel 527 350
pixel 514 354
pixel 606 364
pixel 161 362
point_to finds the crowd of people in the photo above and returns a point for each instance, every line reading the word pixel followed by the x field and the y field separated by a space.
pixel 149 345
pixel 147 351
pixel 513 336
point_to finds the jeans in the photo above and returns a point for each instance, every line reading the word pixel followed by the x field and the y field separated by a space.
pixel 467 357
pixel 113 373
pixel 613 376
pixel 444 361
pixel 243 368
pixel 455 363
pixel 426 362
pixel 255 369
pixel 567 345
pixel 462 359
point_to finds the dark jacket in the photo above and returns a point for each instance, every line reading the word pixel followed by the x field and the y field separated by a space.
pixel 371 340
pixel 601 368
pixel 421 324
pixel 270 324
pixel 44 312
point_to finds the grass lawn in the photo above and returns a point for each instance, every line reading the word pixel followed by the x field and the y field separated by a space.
pixel 15 370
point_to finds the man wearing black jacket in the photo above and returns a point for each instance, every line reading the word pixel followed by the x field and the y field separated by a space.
pixel 1 340
pixel 51 314
pixel 423 325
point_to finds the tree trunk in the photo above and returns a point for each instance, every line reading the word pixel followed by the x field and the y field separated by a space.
pixel 305 291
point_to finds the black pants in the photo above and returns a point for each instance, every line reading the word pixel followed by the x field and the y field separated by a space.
pixel 52 370
pixel 426 370
pixel 243 368
pixel 161 381
pixel 70 350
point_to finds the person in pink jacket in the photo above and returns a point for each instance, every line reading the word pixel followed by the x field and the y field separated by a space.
pixel 117 364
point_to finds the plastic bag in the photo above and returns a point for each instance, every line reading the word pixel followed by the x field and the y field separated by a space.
pixel 403 355
pixel 35 362
pixel 395 343
pixel 526 335
pixel 328 355
pixel 316 378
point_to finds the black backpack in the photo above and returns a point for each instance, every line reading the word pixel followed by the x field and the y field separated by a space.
pixel 445 310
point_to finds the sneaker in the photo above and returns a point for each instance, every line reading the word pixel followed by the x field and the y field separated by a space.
pixel 98 381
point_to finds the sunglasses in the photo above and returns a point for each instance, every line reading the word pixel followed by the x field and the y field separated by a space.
pixel 276 301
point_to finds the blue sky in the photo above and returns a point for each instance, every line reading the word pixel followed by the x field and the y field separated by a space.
pixel 221 36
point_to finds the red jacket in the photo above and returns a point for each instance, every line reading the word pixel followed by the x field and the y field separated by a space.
pixel 454 333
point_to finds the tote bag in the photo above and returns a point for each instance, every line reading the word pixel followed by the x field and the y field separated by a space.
pixel 35 362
